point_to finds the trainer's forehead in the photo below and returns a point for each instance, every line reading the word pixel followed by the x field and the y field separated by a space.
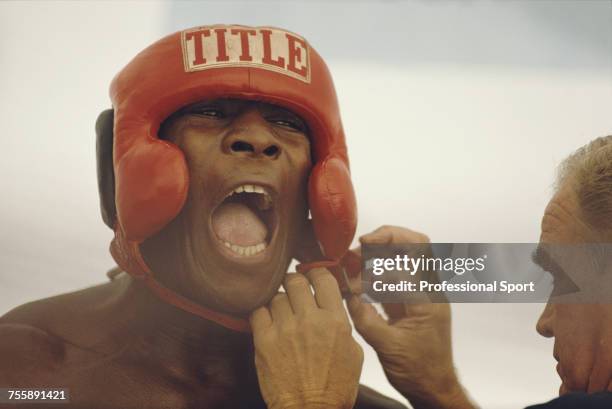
pixel 562 222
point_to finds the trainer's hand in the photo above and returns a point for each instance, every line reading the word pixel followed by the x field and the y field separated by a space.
pixel 414 344
pixel 304 352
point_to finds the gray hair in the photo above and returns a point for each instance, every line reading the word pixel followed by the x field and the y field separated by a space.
pixel 589 172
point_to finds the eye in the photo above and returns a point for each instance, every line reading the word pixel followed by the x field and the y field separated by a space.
pixel 291 124
pixel 206 111
pixel 210 112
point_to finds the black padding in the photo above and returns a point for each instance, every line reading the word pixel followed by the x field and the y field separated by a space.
pixel 104 161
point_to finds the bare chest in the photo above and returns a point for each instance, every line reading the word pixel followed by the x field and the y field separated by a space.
pixel 134 383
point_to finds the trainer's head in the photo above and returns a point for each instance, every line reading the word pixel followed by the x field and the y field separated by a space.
pixel 577 233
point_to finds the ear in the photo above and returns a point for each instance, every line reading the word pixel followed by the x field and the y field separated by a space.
pixel 104 160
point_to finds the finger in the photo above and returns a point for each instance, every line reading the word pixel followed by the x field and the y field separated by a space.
pixel 394 311
pixel 393 234
pixel 300 296
pixel 326 290
pixel 368 322
pixel 260 320
pixel 280 309
pixel 352 266
pixel 382 235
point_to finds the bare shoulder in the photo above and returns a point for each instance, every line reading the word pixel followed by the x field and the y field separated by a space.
pixel 44 313
pixel 27 352
pixel 36 337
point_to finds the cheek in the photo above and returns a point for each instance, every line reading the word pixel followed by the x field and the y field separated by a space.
pixel 576 328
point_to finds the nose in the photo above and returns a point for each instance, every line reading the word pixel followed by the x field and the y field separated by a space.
pixel 544 325
pixel 250 135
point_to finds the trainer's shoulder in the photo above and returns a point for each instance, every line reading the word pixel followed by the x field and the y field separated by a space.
pixel 602 400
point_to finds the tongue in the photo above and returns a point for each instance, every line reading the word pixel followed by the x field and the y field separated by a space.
pixel 237 224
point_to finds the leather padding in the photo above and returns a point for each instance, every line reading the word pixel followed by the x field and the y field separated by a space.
pixel 333 206
pixel 151 175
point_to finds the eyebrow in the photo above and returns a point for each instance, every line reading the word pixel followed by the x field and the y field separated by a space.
pixel 545 261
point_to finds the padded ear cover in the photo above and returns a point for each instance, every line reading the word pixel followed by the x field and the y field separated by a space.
pixel 152 181
pixel 333 206
pixel 104 162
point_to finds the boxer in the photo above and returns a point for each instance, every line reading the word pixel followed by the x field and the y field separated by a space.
pixel 220 142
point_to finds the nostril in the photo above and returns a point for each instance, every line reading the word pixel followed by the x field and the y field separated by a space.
pixel 271 150
pixel 241 146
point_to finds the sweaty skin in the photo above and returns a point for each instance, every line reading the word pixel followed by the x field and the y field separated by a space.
pixel 116 345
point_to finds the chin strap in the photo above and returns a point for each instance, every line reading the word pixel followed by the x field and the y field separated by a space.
pixel 128 257
pixel 342 269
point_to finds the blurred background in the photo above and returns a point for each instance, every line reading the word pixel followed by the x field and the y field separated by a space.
pixel 456 112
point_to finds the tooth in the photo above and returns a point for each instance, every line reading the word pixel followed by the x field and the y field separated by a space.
pixel 247 251
pixel 261 247
pixel 258 189
pixel 235 248
pixel 227 244
pixel 248 188
pixel 239 189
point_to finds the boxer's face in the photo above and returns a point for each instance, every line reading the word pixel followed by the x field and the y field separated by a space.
pixel 248 164
pixel 582 332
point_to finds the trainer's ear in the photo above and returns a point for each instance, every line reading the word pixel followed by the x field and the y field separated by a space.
pixel 104 160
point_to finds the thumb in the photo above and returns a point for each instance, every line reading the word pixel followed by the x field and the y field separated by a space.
pixel 368 322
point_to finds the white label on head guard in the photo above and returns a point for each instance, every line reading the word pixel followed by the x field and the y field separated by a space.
pixel 236 46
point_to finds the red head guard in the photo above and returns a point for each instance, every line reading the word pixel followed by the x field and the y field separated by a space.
pixel 254 63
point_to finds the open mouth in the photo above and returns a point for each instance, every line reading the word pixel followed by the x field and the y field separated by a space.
pixel 245 220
